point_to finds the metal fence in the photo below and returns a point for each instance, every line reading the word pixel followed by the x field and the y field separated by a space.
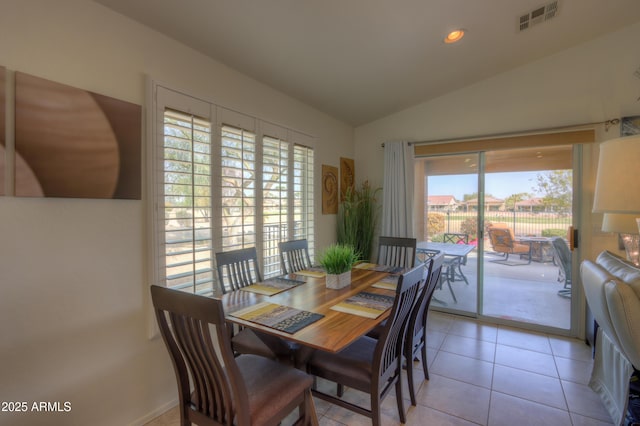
pixel 539 224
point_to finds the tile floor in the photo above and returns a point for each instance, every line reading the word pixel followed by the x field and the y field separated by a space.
pixel 484 374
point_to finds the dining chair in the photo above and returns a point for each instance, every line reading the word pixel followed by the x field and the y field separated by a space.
pixel 238 269
pixel 564 256
pixel 416 335
pixel 372 365
pixel 294 256
pixel 397 251
pixel 227 390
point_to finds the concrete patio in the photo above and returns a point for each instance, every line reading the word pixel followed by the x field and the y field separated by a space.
pixel 526 293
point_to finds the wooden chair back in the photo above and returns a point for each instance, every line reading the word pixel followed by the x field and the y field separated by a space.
pixel 237 269
pixel 184 321
pixel 387 362
pixel 294 256
pixel 396 251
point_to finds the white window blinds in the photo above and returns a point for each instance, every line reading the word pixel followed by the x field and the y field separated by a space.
pixel 239 183
pixel 187 209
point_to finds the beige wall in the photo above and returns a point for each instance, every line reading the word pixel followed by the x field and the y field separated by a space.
pixel 74 296
pixel 590 83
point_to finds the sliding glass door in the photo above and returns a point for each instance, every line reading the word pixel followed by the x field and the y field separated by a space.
pixel 502 219
pixel 450 226
pixel 527 217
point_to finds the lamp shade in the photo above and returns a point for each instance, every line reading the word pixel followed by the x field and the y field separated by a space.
pixel 617 181
pixel 622 223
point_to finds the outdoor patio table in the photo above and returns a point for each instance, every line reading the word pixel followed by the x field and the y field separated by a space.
pixel 457 251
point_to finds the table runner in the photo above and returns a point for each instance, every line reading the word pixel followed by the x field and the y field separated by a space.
pixel 365 304
pixel 276 316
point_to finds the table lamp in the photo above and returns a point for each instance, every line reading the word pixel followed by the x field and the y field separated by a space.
pixel 617 192
pixel 626 226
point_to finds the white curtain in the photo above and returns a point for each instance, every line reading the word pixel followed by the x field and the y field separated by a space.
pixel 397 202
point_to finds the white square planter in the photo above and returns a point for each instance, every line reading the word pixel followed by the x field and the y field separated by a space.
pixel 339 281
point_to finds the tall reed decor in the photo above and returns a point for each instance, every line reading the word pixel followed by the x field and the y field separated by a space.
pixel 357 219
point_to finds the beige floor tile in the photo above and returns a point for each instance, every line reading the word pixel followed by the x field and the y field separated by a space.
pixel 574 370
pixel 532 386
pixel 462 368
pixel 421 415
pixel 467 346
pixel 456 398
pixel 437 321
pixel 582 400
pixel 524 359
pixel 571 348
pixel 435 338
pixel 579 420
pixel 507 410
pixel 526 340
pixel 477 330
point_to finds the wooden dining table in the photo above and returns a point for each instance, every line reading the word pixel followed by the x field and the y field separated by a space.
pixel 331 333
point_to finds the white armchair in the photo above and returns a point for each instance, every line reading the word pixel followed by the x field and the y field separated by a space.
pixel 612 289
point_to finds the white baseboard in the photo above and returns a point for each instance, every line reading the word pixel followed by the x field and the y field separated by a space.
pixel 155 413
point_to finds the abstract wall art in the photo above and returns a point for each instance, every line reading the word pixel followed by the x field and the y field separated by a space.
pixel 347 176
pixel 329 189
pixel 73 143
pixel 2 127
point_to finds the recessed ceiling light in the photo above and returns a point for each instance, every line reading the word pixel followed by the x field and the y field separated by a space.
pixel 454 36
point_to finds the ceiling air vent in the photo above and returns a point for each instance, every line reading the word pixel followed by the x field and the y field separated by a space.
pixel 538 15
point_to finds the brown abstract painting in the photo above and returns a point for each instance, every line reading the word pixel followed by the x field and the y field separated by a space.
pixel 347 176
pixel 75 144
pixel 329 189
pixel 3 167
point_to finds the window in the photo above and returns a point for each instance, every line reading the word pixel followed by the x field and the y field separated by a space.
pixel 186 204
pixel 238 184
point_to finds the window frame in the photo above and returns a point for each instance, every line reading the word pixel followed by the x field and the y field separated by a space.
pixel 162 97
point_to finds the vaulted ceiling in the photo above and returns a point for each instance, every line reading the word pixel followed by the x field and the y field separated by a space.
pixel 360 60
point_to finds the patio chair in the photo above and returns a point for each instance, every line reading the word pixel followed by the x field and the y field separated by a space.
pixel 563 255
pixel 455 262
pixel 214 387
pixel 504 242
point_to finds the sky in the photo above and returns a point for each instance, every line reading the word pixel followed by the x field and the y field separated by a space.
pixel 500 185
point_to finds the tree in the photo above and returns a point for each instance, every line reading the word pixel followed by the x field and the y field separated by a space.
pixel 511 201
pixel 557 188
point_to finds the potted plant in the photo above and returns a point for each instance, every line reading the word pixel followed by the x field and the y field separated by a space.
pixel 357 219
pixel 337 260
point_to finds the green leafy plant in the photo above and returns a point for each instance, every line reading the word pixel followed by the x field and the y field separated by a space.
pixel 357 219
pixel 338 258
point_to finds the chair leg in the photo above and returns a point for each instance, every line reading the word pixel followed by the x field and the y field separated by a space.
pixel 309 409
pixel 412 391
pixel 340 390
pixel 401 413
pixel 425 367
pixel 452 293
pixel 375 408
